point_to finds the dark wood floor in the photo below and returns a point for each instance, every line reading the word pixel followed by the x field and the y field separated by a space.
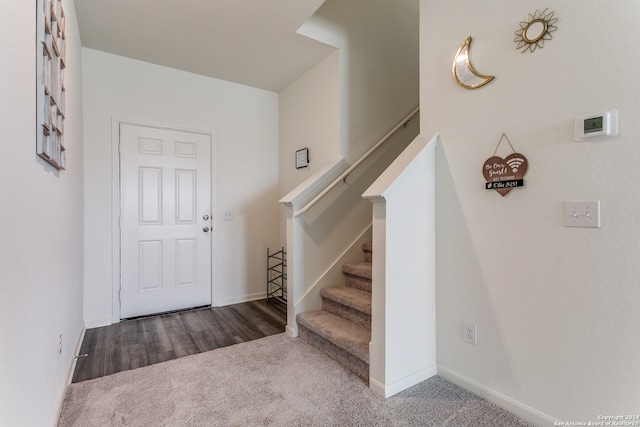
pixel 135 343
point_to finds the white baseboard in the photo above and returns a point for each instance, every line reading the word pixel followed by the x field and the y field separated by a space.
pixel 291 332
pixel 75 353
pixel 241 299
pixel 518 408
pixel 403 384
pixel 70 372
pixel 97 323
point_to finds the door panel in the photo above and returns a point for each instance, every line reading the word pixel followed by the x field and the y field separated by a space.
pixel 150 194
pixel 186 200
pixel 165 194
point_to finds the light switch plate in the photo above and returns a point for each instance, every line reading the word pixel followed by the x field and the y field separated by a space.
pixel 582 214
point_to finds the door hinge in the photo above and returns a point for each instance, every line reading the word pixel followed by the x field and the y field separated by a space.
pixel 120 296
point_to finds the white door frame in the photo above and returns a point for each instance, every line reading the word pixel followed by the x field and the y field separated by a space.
pixel 116 208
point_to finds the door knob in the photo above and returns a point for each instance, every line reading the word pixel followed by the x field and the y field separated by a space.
pixel 205 217
pixel 206 229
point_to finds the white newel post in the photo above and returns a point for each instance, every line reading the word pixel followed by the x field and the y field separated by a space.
pixel 292 276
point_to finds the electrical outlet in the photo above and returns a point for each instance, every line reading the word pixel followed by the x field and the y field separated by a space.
pixel 59 344
pixel 470 333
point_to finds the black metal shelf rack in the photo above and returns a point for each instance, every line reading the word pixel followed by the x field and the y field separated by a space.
pixel 277 275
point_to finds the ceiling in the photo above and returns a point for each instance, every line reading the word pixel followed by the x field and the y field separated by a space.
pixel 251 42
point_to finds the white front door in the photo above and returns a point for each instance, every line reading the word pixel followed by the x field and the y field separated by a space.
pixel 165 226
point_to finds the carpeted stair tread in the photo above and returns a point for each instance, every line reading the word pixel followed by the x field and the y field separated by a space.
pixel 351 297
pixel 359 269
pixel 346 335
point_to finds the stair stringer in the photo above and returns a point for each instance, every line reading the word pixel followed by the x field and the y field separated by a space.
pixel 310 300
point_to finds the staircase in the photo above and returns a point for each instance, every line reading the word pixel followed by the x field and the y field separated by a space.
pixel 342 328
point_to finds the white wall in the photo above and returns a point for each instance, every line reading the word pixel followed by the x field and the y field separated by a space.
pixel 378 65
pixel 41 229
pixel 557 308
pixel 310 118
pixel 244 121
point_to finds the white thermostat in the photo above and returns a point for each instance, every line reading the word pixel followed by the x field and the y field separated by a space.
pixel 593 126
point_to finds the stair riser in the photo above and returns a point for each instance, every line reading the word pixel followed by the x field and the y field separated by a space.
pixel 358 282
pixel 351 314
pixel 344 358
pixel 367 249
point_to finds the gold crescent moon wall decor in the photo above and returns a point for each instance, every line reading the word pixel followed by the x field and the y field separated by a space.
pixel 464 73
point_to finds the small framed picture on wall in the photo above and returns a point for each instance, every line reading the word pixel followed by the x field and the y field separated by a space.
pixel 302 158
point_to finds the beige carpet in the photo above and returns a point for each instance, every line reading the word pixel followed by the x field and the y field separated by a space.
pixel 273 381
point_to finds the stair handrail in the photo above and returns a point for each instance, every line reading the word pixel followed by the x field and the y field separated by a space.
pixel 364 157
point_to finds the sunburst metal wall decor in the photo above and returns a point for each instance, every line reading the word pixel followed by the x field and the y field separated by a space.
pixel 535 30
